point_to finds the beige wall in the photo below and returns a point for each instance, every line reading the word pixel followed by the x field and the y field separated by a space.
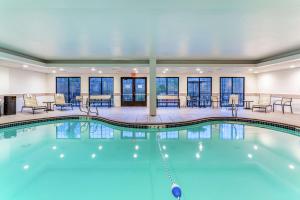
pixel 19 81
pixel 250 86
pixel 283 82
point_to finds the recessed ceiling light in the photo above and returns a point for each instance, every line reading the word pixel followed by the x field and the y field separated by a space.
pixel 54 71
pixel 93 155
pixel 166 69
pixel 100 147
pixel 197 155
pixel 201 72
pixel 136 147
pixel 134 69
pixel 93 69
pixel 164 72
pixel 292 66
pixel 250 70
pixel 198 69
pixel 250 156
pixel 61 69
pixel 100 72
pixel 25 66
pixel 135 155
pixel 62 155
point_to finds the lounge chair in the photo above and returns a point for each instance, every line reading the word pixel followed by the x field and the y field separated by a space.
pixel 264 102
pixel 283 102
pixel 215 101
pixel 59 101
pixel 31 103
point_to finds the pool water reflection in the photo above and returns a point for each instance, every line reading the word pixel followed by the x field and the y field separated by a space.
pixel 75 159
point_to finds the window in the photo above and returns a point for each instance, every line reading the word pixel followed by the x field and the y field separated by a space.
pixel 229 86
pixel 69 86
pixel 167 86
pixel 101 86
pixel 199 88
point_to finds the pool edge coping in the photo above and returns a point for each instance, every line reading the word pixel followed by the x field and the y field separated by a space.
pixel 154 125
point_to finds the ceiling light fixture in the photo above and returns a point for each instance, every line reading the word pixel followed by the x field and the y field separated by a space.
pixel 54 71
pixel 61 69
pixel 292 66
pixel 198 69
pixel 100 72
pixel 250 70
pixel 201 72
pixel 93 69
pixel 25 66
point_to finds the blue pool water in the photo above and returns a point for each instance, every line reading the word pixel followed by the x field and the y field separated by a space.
pixel 87 160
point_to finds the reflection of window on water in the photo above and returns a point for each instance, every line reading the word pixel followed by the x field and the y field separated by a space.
pixel 68 130
pixel 232 131
pixel 169 135
pixel 99 131
pixel 135 135
pixel 202 132
pixel 8 134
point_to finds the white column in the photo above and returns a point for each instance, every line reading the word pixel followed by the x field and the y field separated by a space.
pixel 152 88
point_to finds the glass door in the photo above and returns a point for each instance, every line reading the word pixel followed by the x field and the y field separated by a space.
pixel 133 91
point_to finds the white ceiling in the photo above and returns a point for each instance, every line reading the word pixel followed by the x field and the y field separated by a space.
pixel 165 29
pixel 168 69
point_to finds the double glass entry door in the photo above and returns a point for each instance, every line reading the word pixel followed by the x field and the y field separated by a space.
pixel 134 91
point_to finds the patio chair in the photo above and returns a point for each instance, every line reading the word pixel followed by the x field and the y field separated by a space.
pixel 215 101
pixel 283 102
pixel 264 102
pixel 192 101
pixel 59 101
pixel 31 103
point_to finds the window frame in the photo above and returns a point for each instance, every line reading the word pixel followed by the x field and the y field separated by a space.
pixel 167 85
pixel 243 94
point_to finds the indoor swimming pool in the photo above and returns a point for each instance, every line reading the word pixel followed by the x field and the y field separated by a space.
pixel 88 159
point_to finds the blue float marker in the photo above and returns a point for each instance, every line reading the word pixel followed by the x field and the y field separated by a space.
pixel 176 191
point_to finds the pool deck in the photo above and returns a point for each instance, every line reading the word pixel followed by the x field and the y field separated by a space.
pixel 164 115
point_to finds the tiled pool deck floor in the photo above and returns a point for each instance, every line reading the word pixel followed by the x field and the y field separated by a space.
pixel 164 115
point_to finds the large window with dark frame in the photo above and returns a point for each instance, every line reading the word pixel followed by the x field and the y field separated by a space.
pixel 199 89
pixel 229 86
pixel 167 86
pixel 101 86
pixel 69 86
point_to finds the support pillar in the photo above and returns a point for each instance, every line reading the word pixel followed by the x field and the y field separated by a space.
pixel 152 88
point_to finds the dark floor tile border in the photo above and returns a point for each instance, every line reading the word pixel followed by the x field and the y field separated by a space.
pixel 155 125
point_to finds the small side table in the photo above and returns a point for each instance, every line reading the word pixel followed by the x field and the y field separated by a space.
pixel 49 105
pixel 247 104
